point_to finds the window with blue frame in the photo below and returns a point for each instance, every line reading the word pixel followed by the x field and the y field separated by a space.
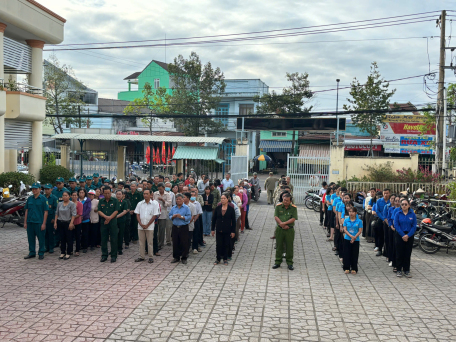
pixel 227 150
pixel 223 109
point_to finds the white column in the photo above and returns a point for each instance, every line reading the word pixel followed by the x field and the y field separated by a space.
pixel 36 153
pixel 36 80
pixel 11 158
pixel 2 105
pixel 121 163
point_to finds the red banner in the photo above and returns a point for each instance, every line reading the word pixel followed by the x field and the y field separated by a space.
pixel 164 153
pixel 362 148
pixel 148 155
pixel 409 128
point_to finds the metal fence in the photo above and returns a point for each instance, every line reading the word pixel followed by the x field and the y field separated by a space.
pixel 430 188
pixel 239 168
pixel 307 173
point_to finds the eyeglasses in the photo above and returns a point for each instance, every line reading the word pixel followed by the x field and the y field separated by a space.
pixel 404 204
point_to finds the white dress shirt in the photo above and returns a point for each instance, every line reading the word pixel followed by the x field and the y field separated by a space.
pixel 146 211
pixel 192 208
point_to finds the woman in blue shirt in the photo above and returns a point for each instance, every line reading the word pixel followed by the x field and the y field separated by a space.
pixel 405 226
pixel 353 227
pixel 329 214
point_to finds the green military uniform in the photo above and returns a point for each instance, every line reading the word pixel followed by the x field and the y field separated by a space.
pixel 36 206
pixel 91 186
pixel 49 239
pixel 127 224
pixel 176 182
pixel 108 230
pixel 285 235
pixel 121 223
pixel 97 183
pixel 269 185
pixel 58 193
pixel 154 188
pixel 217 197
pixel 134 200
pixel 76 188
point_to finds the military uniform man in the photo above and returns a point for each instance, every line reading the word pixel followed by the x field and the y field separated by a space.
pixel 108 207
pixel 60 189
pixel 89 186
pixel 269 185
pixel 135 198
pixel 82 183
pixel 36 213
pixel 124 211
pixel 285 215
pixel 97 181
pixel 49 239
pixel 127 220
pixel 72 184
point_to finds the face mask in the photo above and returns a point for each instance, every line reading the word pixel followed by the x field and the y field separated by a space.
pixel 192 198
pixel 167 189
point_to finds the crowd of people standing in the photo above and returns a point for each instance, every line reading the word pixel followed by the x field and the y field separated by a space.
pixel 388 221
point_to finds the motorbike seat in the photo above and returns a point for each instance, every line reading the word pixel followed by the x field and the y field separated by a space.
pixel 9 205
pixel 444 229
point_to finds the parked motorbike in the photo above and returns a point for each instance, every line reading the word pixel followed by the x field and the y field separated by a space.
pixel 13 211
pixel 436 238
pixel 256 192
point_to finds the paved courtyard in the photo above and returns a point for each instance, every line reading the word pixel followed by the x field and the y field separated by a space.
pixel 84 300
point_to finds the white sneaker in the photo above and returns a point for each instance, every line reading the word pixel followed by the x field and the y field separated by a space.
pixel 376 249
pixel 195 251
pixel 390 264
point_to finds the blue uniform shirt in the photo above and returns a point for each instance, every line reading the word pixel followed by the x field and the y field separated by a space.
pixel 391 214
pixel 331 198
pixel 381 204
pixel 36 208
pixel 336 202
pixel 184 211
pixel 352 227
pixel 405 224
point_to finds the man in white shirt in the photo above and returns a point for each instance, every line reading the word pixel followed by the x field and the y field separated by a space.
pixel 169 223
pixel 202 185
pixel 164 199
pixel 227 182
pixel 193 211
pixel 146 212
pixel 197 230
pixel 322 207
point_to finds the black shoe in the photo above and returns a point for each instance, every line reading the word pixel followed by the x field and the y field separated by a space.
pixel 51 251
pixel 275 266
pixel 29 256
pixel 321 223
pixel 126 246
pixel 151 260
pixel 41 257
pixel 119 252
pixel 139 260
pixel 103 259
pixel 399 274
pixel 290 267
pixel 184 261
pixel 174 261
pixel 113 259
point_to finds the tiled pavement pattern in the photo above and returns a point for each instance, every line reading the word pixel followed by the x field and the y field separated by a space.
pixel 83 300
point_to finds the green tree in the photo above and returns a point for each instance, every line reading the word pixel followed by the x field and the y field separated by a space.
pixel 196 90
pixel 292 99
pixel 64 94
pixel 48 158
pixel 373 95
pixel 152 102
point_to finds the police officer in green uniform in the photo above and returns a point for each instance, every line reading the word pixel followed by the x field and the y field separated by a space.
pixel 108 207
pixel 285 215
pixel 89 186
pixel 72 184
pixel 36 213
pixel 135 198
pixel 49 239
pixel 127 220
pixel 58 193
pixel 97 181
pixel 82 183
pixel 124 210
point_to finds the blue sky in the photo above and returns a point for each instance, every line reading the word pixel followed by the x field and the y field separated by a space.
pixel 324 57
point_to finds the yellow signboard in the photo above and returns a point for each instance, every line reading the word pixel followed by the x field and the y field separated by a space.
pixel 405 118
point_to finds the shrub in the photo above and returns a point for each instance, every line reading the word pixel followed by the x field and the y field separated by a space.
pixel 380 173
pixel 14 179
pixel 423 175
pixel 49 173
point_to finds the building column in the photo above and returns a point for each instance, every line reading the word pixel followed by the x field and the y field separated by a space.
pixel 36 153
pixel 11 158
pixel 65 156
pixel 121 163
pixel 36 77
pixel 2 103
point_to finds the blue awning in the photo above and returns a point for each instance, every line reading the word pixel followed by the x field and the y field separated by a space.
pixel 275 146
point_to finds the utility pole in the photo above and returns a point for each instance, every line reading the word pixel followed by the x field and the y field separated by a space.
pixel 337 111
pixel 440 129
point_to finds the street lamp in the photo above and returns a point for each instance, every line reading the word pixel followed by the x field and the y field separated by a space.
pixel 337 110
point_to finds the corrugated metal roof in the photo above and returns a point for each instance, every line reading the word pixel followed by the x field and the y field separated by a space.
pixel 145 138
pixel 196 152
pixel 315 151
pixel 275 145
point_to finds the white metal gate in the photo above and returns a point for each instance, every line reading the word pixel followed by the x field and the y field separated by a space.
pixel 307 173
pixel 239 168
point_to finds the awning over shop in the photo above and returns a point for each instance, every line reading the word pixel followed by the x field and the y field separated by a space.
pixel 197 152
pixel 311 150
pixel 275 146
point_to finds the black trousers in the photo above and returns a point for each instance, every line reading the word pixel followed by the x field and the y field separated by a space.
pixel 155 242
pixel 223 245
pixel 66 237
pixel 386 248
pixel 351 254
pixel 326 221
pixel 180 242
pixel 322 212
pixel 77 236
pixel 403 252
pixel 391 246
pixel 85 235
pixel 379 235
pixel 94 234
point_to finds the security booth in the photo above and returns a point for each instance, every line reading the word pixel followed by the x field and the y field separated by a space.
pixel 120 156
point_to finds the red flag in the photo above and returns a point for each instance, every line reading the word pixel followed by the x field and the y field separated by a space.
pixel 164 153
pixel 158 156
pixel 174 151
pixel 169 154
pixel 148 155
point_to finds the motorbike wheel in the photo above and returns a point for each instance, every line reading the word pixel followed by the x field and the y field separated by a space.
pixel 309 203
pixel 427 247
pixel 416 241
pixel 317 206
